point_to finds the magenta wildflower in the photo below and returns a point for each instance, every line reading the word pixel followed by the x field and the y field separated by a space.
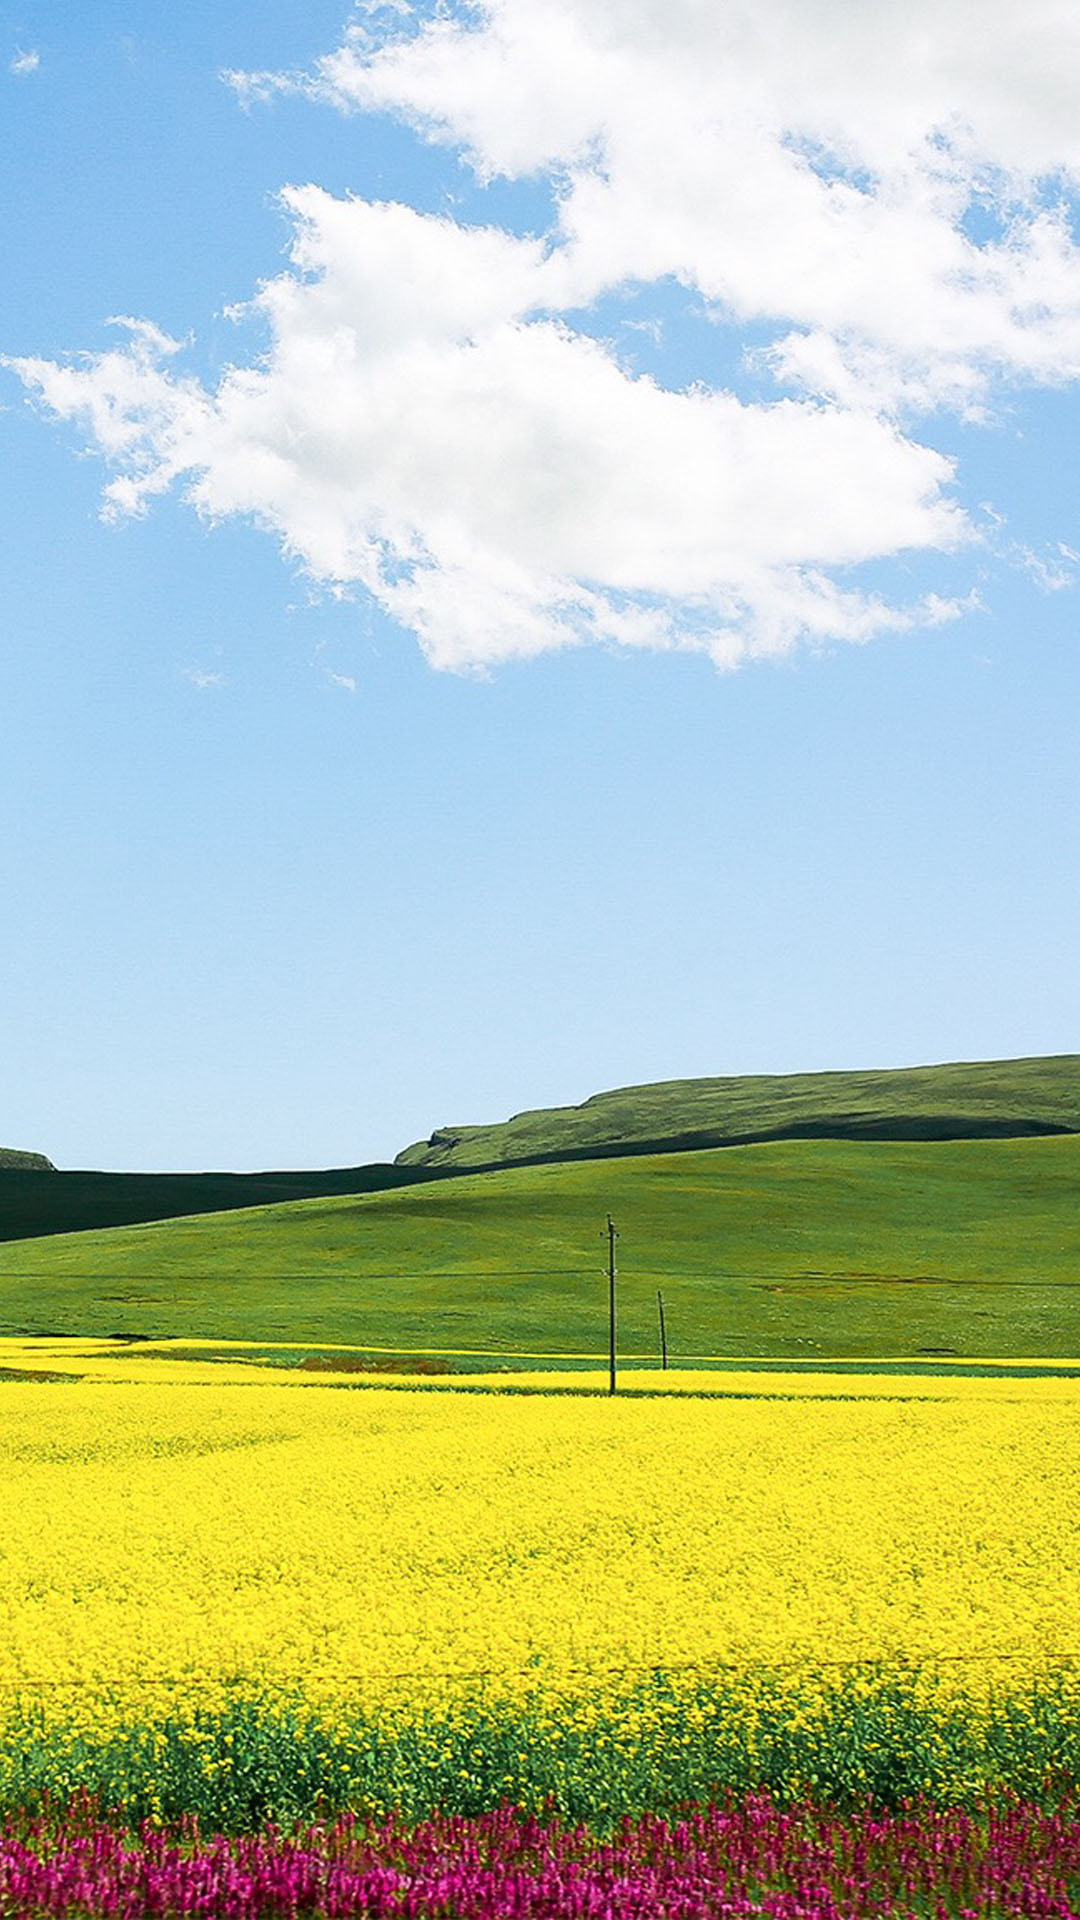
pixel 748 1858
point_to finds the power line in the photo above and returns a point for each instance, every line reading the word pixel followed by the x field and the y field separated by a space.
pixel 642 1275
pixel 890 1666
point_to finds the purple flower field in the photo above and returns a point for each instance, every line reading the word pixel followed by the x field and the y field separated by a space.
pixel 799 1862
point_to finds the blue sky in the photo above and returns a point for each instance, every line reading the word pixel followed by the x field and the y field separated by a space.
pixel 615 620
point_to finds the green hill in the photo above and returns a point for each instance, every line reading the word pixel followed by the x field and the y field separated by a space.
pixel 787 1249
pixel 984 1100
pixel 11 1157
pixel 976 1100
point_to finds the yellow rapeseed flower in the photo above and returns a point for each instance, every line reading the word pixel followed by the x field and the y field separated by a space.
pixel 174 1535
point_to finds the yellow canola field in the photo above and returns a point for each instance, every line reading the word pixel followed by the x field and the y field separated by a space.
pixel 171 1530
pixel 235 1362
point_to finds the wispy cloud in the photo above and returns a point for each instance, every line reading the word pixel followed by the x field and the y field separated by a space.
pixel 258 89
pixel 1053 570
pixel 200 678
pixel 343 680
pixel 27 62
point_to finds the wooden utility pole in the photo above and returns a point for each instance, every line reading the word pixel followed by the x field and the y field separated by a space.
pixel 612 1237
pixel 663 1334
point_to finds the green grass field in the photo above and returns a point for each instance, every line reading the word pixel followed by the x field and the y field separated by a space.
pixel 783 1250
pixel 982 1099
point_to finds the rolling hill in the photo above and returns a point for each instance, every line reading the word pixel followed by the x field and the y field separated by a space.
pixel 1003 1099
pixel 787 1249
pixel 990 1099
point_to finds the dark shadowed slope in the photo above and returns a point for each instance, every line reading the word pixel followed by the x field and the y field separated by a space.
pixel 993 1099
pixel 33 1202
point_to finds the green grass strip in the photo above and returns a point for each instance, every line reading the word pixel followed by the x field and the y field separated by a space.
pixel 656 1747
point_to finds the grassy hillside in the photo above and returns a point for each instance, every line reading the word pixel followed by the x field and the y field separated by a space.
pixel 987 1100
pixel 785 1249
pixel 984 1099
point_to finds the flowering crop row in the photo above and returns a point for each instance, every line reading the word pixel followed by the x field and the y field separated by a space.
pixel 657 1746
pixel 799 1862
pixel 224 1593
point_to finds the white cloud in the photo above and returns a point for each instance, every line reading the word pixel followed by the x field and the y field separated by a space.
pixel 880 191
pixel 422 427
pixel 28 62
pixel 809 162
pixel 343 680
pixel 202 679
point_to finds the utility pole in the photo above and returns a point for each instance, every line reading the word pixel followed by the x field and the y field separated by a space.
pixel 612 1237
pixel 663 1334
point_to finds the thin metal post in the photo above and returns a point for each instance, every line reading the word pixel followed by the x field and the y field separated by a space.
pixel 612 1237
pixel 663 1334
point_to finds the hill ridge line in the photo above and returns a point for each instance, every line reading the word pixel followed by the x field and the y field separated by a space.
pixel 1034 1094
